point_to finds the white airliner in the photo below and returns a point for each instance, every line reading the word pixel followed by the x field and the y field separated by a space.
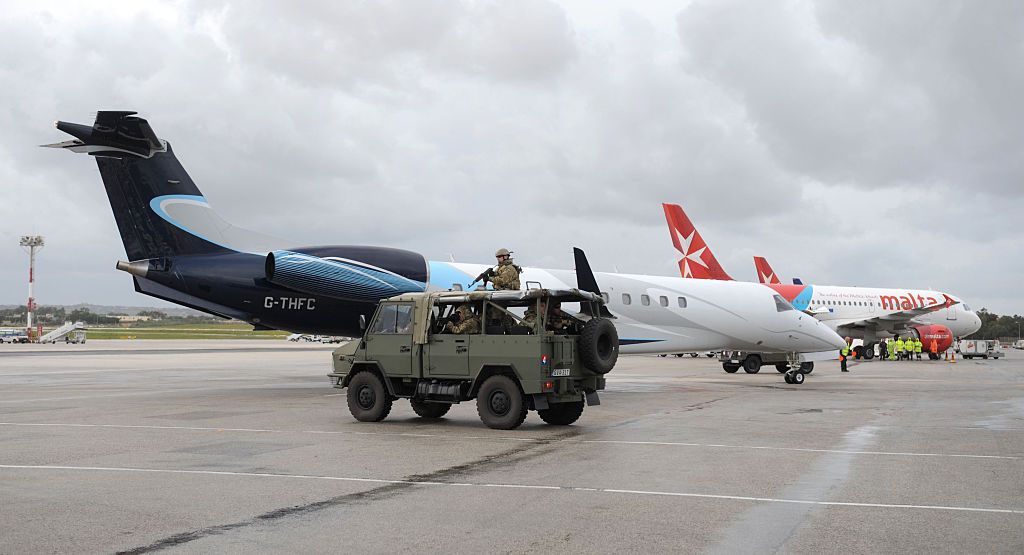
pixel 858 312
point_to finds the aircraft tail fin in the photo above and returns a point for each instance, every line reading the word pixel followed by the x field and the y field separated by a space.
pixel 765 273
pixel 158 208
pixel 697 259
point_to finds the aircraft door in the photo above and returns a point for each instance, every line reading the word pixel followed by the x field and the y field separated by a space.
pixel 389 339
pixel 951 313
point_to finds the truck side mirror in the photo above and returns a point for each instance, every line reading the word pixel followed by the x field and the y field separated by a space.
pixel 362 322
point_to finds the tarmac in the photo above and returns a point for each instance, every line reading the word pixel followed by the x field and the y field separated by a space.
pixel 243 446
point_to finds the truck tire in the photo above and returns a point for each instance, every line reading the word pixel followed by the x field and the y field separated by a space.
pixel 806 367
pixel 730 368
pixel 752 364
pixel 598 345
pixel 424 409
pixel 368 399
pixel 561 414
pixel 782 367
pixel 500 403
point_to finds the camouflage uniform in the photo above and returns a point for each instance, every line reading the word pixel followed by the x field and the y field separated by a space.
pixel 469 323
pixel 558 320
pixel 506 276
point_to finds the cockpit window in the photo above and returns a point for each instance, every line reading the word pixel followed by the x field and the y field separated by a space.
pixel 782 305
pixel 967 308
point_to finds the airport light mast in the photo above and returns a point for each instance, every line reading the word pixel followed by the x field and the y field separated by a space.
pixel 34 243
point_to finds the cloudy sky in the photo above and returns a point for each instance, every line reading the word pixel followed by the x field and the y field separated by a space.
pixel 870 143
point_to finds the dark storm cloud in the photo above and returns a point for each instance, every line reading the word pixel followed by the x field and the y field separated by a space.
pixel 865 143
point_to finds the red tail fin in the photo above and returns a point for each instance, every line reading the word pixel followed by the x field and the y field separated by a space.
pixel 765 274
pixel 697 260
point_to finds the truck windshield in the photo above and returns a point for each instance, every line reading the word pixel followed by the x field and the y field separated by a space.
pixel 393 319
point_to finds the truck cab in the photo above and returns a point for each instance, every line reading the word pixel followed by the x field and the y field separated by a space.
pixel 523 354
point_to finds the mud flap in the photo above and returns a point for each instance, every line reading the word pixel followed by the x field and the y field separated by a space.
pixel 540 401
pixel 592 399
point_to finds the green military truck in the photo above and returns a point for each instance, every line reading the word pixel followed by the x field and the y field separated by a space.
pixel 542 359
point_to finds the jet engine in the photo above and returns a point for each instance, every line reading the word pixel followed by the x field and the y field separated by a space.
pixel 348 273
pixel 941 335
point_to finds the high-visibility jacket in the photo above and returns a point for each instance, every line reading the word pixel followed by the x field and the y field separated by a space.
pixel 918 345
pixel 899 345
pixel 844 352
pixel 935 346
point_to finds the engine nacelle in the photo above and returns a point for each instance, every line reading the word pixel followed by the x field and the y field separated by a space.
pixel 941 335
pixel 348 273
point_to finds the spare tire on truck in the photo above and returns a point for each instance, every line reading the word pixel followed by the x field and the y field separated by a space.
pixel 598 345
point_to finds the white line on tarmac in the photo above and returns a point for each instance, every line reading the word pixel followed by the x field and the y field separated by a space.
pixel 511 438
pixel 519 486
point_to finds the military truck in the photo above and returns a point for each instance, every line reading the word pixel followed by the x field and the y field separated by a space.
pixel 542 359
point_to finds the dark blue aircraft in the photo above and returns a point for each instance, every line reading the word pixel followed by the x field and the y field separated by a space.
pixel 181 251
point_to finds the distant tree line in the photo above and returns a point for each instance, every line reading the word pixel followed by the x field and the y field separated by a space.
pixel 994 326
pixel 51 316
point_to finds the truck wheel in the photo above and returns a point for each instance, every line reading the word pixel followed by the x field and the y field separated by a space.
pixel 368 399
pixel 561 414
pixel 730 368
pixel 782 367
pixel 500 403
pixel 424 409
pixel 752 364
pixel 599 345
pixel 858 352
pixel 693 355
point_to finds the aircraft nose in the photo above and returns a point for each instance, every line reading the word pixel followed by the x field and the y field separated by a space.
pixel 819 336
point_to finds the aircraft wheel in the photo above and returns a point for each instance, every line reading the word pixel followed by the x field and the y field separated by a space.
pixel 788 376
pixel 806 367
pixel 798 378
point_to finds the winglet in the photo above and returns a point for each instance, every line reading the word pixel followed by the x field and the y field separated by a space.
pixel 697 260
pixel 765 273
pixel 585 279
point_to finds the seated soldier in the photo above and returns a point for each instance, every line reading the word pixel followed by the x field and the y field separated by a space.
pixel 463 321
pixel 530 318
pixel 558 319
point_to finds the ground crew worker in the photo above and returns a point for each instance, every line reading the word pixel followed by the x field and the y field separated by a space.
pixel 935 347
pixel 918 347
pixel 463 321
pixel 882 351
pixel 844 353
pixel 892 348
pixel 899 348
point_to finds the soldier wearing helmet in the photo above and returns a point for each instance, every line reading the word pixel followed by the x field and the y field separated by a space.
pixel 506 274
pixel 463 321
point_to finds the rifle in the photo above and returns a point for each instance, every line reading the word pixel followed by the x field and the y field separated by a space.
pixel 484 276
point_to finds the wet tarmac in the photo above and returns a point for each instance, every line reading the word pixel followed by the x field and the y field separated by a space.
pixel 232 446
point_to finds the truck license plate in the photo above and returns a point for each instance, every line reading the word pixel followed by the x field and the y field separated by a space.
pixel 560 372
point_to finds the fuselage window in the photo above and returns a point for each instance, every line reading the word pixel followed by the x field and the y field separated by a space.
pixel 645 300
pixel 663 300
pixel 682 302
pixel 626 299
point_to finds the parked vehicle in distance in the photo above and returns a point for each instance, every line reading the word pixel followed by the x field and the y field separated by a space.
pixel 11 335
pixel 983 348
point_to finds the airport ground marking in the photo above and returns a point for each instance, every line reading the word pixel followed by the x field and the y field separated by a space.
pixel 511 438
pixel 518 486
